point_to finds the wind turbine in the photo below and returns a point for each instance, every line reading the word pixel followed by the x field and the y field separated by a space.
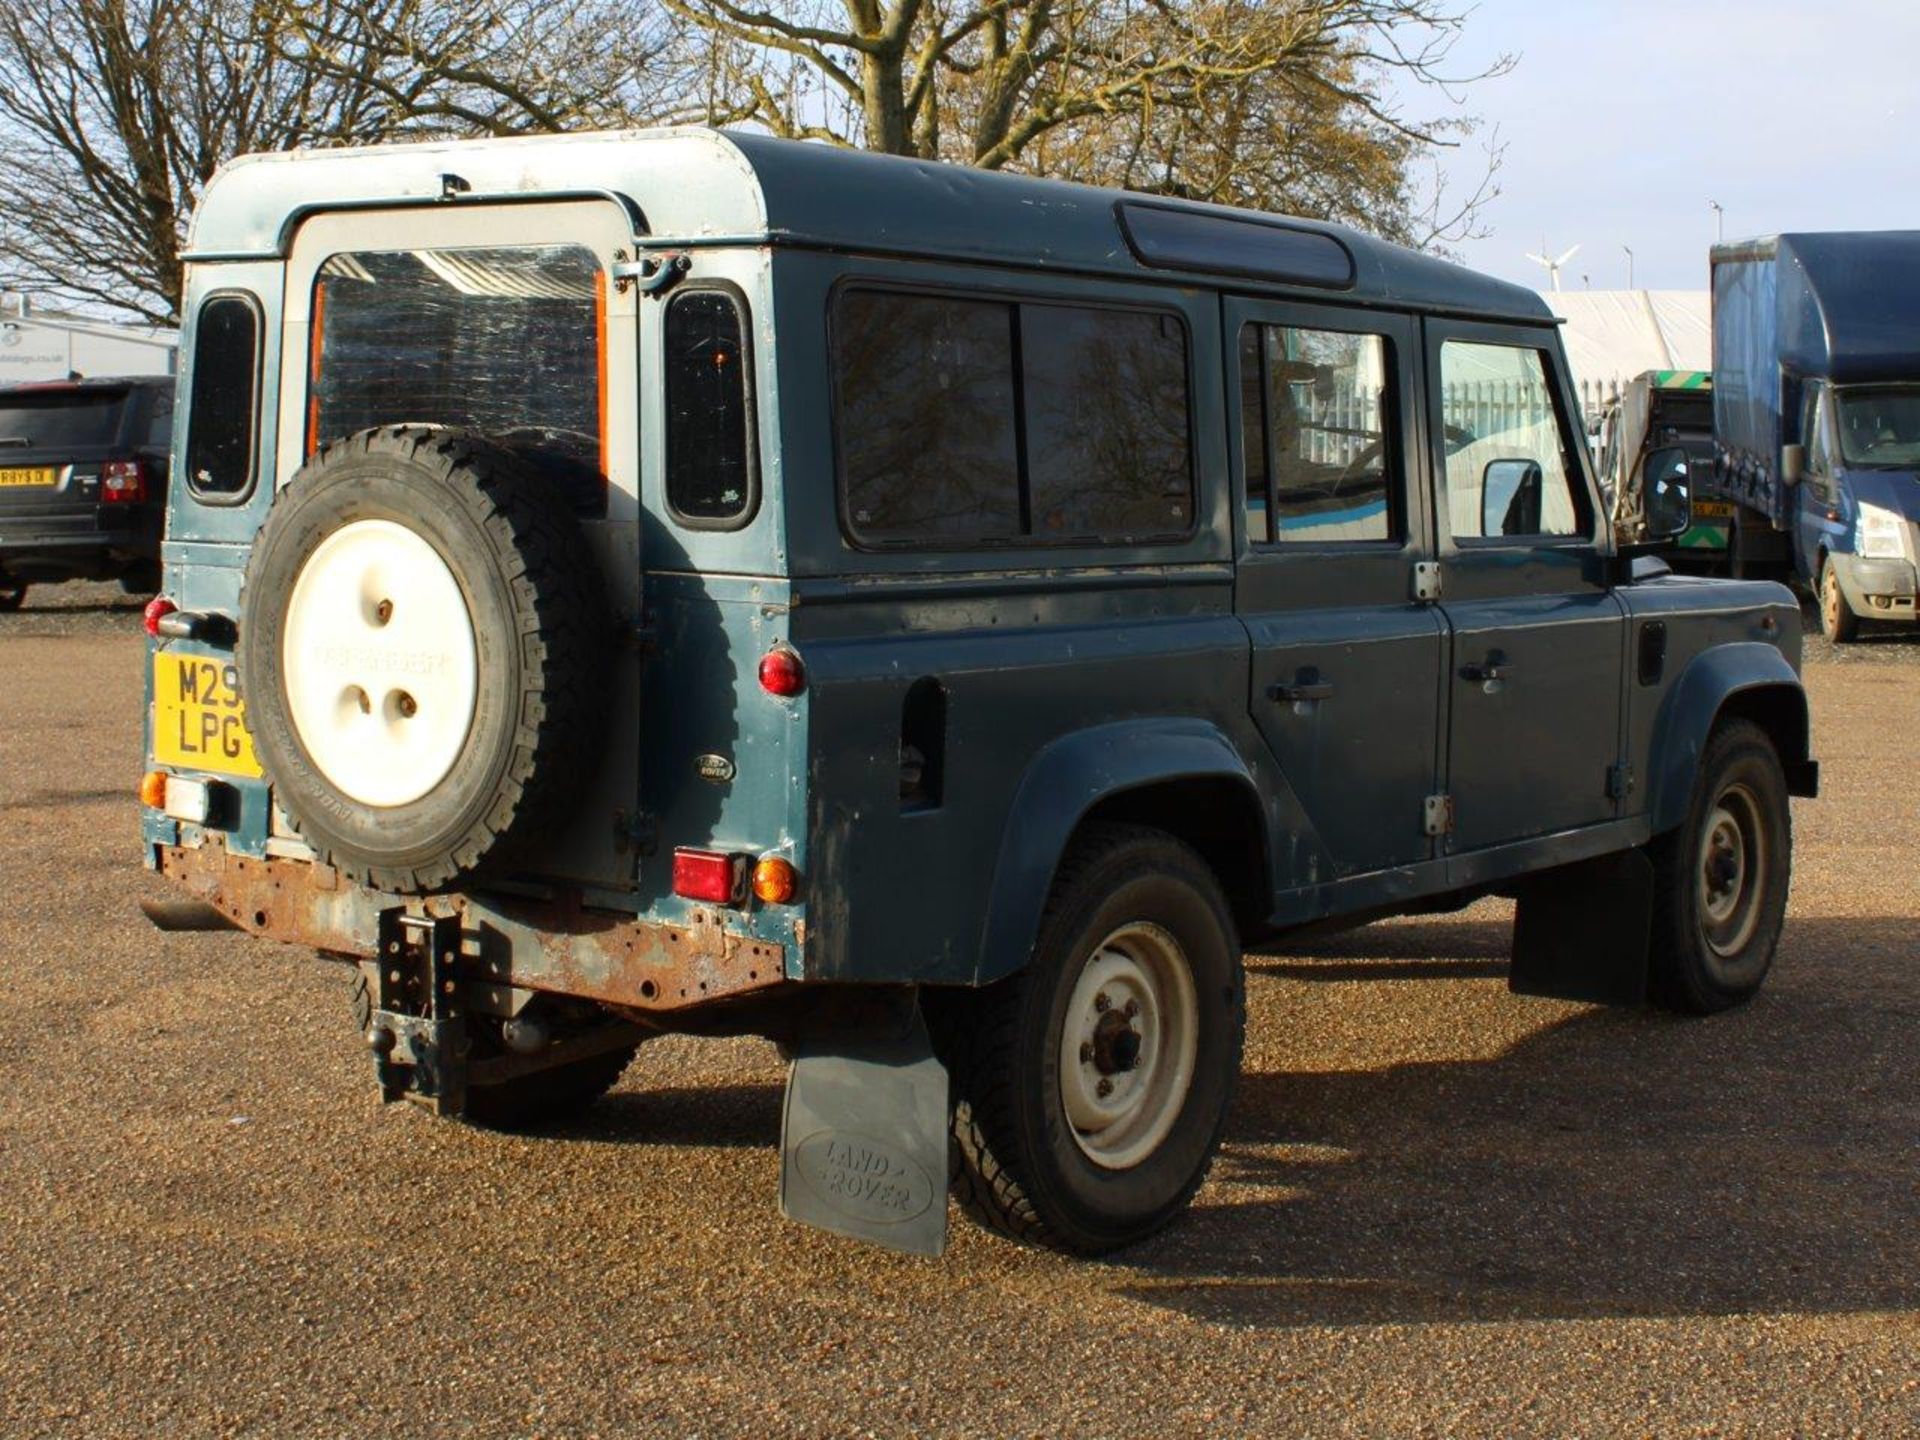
pixel 1553 266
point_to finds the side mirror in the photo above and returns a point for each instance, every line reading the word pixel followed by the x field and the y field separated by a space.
pixel 1510 492
pixel 1669 493
pixel 1793 463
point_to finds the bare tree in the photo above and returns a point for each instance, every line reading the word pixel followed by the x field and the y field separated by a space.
pixel 1278 103
pixel 114 114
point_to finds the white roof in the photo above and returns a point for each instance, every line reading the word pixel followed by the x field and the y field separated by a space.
pixel 1613 335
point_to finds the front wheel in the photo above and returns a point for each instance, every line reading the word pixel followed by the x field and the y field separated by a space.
pixel 1091 1089
pixel 1720 880
pixel 1837 620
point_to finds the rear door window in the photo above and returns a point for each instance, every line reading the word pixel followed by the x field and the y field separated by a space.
pixel 59 419
pixel 503 340
pixel 220 410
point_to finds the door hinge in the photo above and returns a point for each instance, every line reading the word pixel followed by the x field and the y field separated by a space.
pixel 1438 815
pixel 1619 781
pixel 1426 579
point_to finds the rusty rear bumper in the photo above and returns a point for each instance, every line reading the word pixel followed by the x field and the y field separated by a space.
pixel 565 949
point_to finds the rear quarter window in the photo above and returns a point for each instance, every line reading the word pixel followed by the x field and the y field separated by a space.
pixel 225 394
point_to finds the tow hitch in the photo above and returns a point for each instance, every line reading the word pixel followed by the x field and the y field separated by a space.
pixel 418 1033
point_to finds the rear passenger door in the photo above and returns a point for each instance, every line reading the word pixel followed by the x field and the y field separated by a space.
pixel 1533 681
pixel 1333 518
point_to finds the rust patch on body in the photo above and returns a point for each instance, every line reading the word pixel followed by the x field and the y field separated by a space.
pixel 558 946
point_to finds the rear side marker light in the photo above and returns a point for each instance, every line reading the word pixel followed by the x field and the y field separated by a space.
pixel 157 610
pixel 781 673
pixel 153 790
pixel 775 881
pixel 709 875
pixel 123 482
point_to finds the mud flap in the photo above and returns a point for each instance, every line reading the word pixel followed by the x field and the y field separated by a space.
pixel 1581 932
pixel 863 1137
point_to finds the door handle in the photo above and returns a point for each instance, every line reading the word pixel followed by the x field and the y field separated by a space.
pixel 1308 686
pixel 1494 669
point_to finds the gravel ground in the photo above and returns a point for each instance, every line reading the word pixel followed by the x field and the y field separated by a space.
pixel 1441 1209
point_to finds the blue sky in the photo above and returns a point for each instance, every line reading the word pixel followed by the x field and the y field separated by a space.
pixel 1623 118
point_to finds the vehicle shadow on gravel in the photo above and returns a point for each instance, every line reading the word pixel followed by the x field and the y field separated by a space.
pixel 1614 1163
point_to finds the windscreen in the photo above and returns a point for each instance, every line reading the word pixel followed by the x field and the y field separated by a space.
pixel 1880 426
pixel 503 340
pixel 59 420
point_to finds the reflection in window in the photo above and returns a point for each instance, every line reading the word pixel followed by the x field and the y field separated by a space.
pixel 1507 469
pixel 502 340
pixel 226 357
pixel 969 421
pixel 926 417
pixel 1322 401
pixel 1106 398
pixel 709 439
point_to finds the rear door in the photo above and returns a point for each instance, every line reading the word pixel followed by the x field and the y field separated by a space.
pixel 1535 632
pixel 502 319
pixel 1346 663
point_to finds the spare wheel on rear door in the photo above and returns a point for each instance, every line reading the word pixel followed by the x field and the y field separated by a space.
pixel 422 627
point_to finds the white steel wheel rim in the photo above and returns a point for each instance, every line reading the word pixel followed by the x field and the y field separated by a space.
pixel 378 658
pixel 1128 1045
pixel 1733 858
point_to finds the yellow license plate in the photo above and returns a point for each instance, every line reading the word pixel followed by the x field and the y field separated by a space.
pixel 198 720
pixel 1712 510
pixel 28 475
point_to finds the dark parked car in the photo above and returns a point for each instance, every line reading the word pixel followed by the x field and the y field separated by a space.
pixel 83 482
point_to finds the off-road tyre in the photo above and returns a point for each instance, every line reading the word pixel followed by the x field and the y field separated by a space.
pixel 1740 784
pixel 1017 1166
pixel 1837 620
pixel 541 634
pixel 13 594
pixel 528 1102
pixel 143 579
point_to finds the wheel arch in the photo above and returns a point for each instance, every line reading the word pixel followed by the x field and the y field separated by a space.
pixel 1182 776
pixel 1750 681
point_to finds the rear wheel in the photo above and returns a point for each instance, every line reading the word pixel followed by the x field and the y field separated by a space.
pixel 1091 1089
pixel 13 594
pixel 1837 620
pixel 1720 880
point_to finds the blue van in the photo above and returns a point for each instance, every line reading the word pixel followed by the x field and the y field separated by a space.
pixel 1816 403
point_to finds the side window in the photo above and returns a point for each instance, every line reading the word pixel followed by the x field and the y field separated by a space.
pixel 1818 440
pixel 926 417
pixel 991 422
pixel 504 340
pixel 709 434
pixel 226 362
pixel 1508 471
pixel 1326 455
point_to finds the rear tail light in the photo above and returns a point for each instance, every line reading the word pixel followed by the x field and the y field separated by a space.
pixel 781 673
pixel 123 481
pixel 708 875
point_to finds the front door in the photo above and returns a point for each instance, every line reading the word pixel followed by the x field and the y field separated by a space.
pixel 500 319
pixel 1535 632
pixel 1346 663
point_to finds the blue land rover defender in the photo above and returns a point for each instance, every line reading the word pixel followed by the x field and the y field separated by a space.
pixel 684 581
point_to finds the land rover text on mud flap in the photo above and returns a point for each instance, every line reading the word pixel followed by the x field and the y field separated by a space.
pixel 683 581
